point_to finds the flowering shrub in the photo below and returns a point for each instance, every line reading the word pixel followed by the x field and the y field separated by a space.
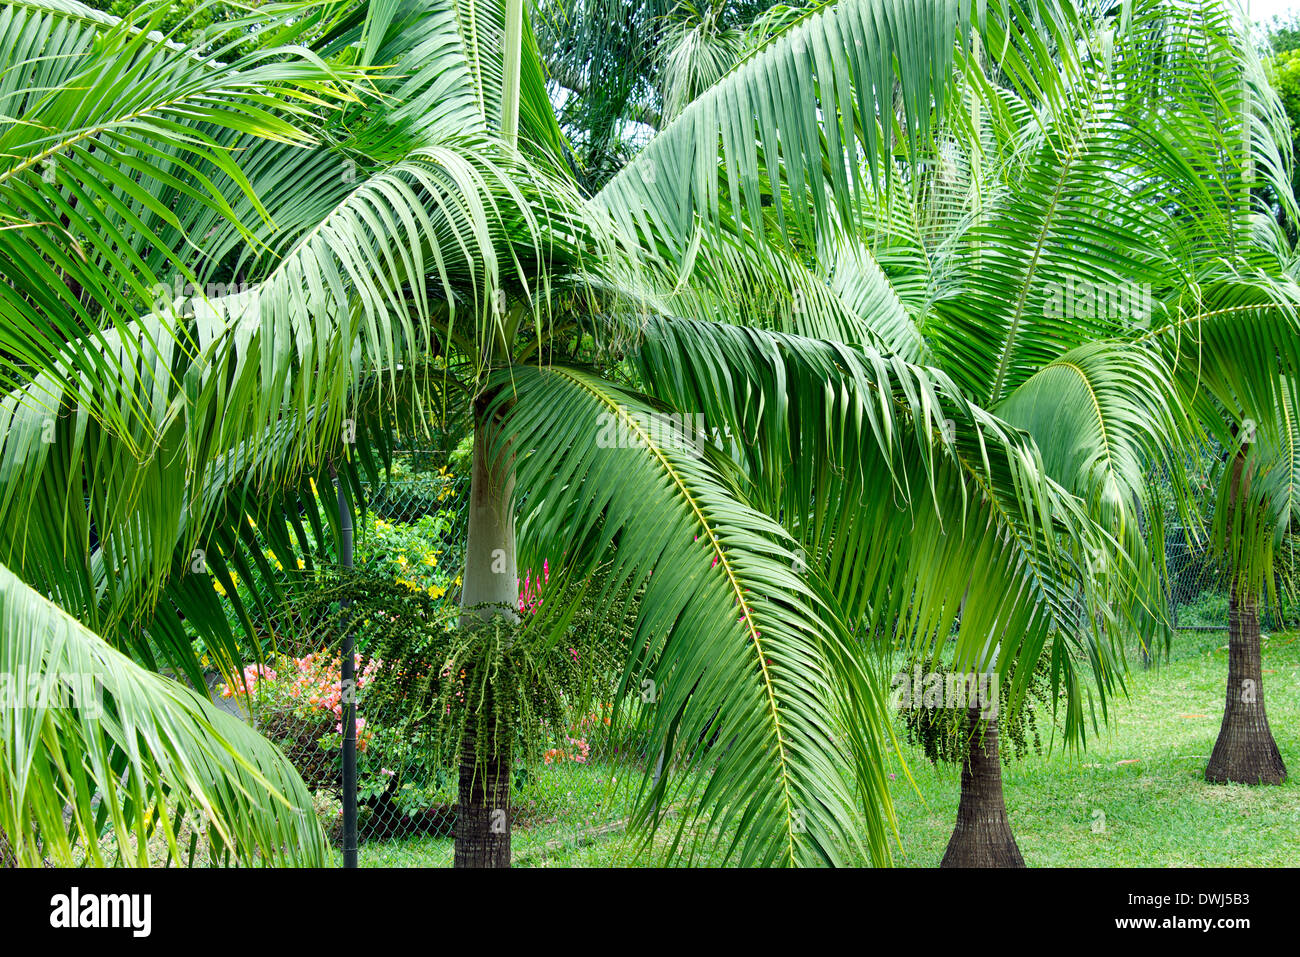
pixel 247 681
pixel 419 545
pixel 576 747
pixel 404 769
pixel 530 594
pixel 402 610
pixel 577 751
pixel 412 554
pixel 298 703
pixel 595 719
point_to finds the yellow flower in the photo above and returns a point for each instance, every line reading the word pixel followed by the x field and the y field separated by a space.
pixel 301 563
pixel 219 588
pixel 457 579
pixel 430 559
pixel 436 591
pixel 401 560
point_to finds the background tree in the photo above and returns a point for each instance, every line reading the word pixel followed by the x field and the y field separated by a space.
pixel 390 225
pixel 1046 181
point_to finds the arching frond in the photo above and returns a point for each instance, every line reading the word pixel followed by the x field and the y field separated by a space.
pixel 928 516
pixel 740 648
pixel 103 762
pixel 797 114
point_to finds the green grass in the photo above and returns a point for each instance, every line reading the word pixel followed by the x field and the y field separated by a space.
pixel 1135 797
pixel 560 808
pixel 1091 810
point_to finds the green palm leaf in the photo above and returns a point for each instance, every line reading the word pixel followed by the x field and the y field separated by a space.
pixel 813 97
pixel 110 763
pixel 738 647
pixel 929 517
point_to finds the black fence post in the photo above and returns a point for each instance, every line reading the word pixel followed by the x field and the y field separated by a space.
pixel 349 694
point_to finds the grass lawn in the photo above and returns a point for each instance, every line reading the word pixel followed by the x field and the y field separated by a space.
pixel 563 808
pixel 1135 797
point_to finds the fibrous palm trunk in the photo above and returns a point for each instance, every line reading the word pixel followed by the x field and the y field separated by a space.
pixel 1245 752
pixel 483 807
pixel 490 587
pixel 982 837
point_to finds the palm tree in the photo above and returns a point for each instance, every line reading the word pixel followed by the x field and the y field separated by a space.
pixel 178 421
pixel 1049 182
pixel 1257 502
pixel 882 315
pixel 1111 145
pixel 425 240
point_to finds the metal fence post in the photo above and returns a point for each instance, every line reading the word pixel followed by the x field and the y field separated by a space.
pixel 347 678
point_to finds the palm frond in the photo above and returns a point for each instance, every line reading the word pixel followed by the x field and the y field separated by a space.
pixel 102 145
pixel 753 683
pixel 930 518
pixel 104 762
pixel 797 114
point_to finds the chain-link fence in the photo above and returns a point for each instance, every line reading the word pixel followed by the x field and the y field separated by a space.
pixel 570 792
pixel 408 555
pixel 1199 587
pixel 1198 577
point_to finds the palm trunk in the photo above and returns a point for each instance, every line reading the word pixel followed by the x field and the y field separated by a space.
pixel 491 581
pixel 483 808
pixel 1245 752
pixel 982 837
